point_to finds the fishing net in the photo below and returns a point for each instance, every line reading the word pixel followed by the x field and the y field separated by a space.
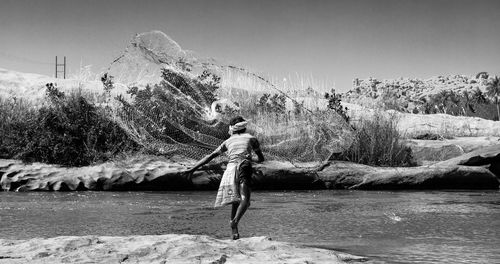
pixel 186 110
pixel 188 115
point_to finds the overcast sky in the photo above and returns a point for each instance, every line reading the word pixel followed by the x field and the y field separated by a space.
pixel 332 40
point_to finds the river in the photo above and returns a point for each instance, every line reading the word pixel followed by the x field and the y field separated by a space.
pixel 392 227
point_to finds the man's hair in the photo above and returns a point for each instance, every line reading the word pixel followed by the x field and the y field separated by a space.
pixel 236 120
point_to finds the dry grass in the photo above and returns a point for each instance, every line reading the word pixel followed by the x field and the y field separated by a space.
pixel 65 129
pixel 377 142
pixel 304 130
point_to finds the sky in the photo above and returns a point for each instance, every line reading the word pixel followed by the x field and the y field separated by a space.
pixel 334 41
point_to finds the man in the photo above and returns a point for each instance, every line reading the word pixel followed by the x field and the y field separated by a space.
pixel 236 182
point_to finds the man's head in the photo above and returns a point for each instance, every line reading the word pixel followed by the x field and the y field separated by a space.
pixel 237 125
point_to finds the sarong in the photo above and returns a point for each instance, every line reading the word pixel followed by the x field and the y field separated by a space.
pixel 229 190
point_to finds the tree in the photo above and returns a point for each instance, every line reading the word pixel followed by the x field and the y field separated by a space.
pixel 445 100
pixel 478 97
pixel 468 103
pixel 493 91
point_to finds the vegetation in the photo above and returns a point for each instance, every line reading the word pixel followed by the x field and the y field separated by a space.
pixel 176 116
pixel 334 103
pixel 377 142
pixel 67 130
pixel 493 91
pixel 169 117
pixel 459 95
pixel 272 104
pixel 107 82
pixel 474 103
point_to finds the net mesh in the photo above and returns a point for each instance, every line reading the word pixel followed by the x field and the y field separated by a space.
pixel 188 114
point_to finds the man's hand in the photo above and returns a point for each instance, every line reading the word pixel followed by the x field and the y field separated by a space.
pixel 189 173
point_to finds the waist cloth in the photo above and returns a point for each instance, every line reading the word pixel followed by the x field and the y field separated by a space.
pixel 229 189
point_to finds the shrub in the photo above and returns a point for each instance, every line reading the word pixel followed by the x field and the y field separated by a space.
pixel 169 117
pixel 377 142
pixel 275 103
pixel 334 103
pixel 69 131
pixel 16 117
pixel 107 82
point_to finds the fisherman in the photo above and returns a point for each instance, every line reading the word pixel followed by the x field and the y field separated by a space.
pixel 236 182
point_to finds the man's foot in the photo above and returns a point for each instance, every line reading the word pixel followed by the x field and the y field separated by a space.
pixel 236 236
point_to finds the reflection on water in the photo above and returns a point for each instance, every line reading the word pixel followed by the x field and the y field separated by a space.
pixel 416 227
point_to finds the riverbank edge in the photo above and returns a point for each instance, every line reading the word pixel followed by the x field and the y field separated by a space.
pixel 474 170
pixel 171 248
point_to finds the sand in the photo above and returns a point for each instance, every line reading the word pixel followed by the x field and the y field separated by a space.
pixel 163 249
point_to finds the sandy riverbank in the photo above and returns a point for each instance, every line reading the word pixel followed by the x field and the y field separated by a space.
pixel 163 249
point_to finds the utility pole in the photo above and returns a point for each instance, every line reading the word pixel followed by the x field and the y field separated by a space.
pixel 63 69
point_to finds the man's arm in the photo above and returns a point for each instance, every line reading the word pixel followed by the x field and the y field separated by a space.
pixel 203 161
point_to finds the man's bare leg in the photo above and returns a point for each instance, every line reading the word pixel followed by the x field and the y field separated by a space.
pixel 234 226
pixel 244 204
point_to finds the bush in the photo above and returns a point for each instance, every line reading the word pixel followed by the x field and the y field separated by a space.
pixel 275 103
pixel 334 103
pixel 16 117
pixel 378 143
pixel 68 131
pixel 170 117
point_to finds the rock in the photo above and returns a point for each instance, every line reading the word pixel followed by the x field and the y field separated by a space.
pixel 343 175
pixel 467 144
pixel 346 175
pixel 427 153
pixel 156 173
pixel 286 176
pixel 428 178
pixel 446 125
pixel 484 156
pixel 148 173
pixel 407 93
pixel 163 249
pixel 412 125
pixel 430 151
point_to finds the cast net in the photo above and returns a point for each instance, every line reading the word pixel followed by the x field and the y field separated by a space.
pixel 187 114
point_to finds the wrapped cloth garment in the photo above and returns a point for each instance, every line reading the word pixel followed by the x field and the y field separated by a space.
pixel 229 189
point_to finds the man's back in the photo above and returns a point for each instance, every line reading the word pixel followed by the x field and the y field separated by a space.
pixel 239 147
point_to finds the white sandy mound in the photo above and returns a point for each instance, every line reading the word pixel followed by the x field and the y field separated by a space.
pixel 163 249
pixel 31 86
pixel 440 124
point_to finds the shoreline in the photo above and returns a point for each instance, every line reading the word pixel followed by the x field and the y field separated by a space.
pixel 476 170
pixel 170 248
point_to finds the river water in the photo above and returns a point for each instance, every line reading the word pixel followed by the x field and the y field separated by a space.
pixel 392 227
